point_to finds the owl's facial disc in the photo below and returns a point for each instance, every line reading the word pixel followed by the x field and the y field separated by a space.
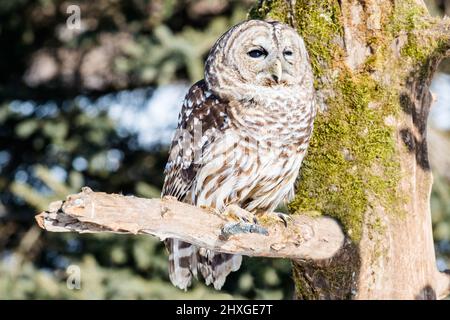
pixel 257 55
pixel 269 58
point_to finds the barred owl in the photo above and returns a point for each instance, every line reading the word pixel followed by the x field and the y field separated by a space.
pixel 242 134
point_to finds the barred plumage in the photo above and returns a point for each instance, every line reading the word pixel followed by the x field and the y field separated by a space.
pixel 241 137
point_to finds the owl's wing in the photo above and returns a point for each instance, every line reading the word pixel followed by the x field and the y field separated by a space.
pixel 202 118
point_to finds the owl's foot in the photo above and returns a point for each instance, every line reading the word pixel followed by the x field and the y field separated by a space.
pixel 247 222
pixel 237 213
pixel 277 216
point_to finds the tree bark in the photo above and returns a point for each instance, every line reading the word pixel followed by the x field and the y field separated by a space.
pixel 367 164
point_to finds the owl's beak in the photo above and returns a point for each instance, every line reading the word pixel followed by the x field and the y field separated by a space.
pixel 276 71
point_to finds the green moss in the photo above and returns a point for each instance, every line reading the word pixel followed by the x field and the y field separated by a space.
pixel 406 16
pixel 351 154
pixel 378 226
pixel 413 50
pixel 270 9
pixel 420 47
pixel 421 51
pixel 318 22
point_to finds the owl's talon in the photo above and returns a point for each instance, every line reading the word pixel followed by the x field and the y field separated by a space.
pixel 237 213
pixel 278 216
pixel 233 228
pixel 285 218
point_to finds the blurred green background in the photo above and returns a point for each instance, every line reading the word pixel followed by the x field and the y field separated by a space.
pixel 97 106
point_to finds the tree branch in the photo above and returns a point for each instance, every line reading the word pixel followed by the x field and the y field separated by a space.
pixel 92 212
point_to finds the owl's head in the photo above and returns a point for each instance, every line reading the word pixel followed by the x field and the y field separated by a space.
pixel 257 55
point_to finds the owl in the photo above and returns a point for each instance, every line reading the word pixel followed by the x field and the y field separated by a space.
pixel 242 135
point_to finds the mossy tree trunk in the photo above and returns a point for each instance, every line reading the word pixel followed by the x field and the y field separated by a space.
pixel 367 164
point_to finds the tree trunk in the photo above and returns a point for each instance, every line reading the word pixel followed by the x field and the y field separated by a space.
pixel 367 164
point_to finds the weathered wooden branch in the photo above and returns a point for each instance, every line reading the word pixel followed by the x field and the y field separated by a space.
pixel 90 212
pixel 367 163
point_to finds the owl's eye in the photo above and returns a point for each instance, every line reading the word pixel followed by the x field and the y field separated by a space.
pixel 256 53
pixel 288 53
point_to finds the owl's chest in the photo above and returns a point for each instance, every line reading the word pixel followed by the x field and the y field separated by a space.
pixel 275 124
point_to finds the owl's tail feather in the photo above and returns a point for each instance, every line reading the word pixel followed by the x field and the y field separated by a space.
pixel 185 259
pixel 216 266
pixel 182 262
